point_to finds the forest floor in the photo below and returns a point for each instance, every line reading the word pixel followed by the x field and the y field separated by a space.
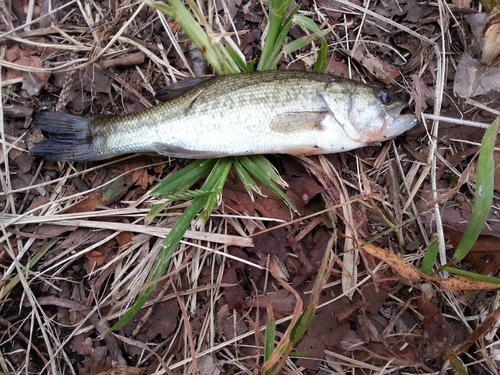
pixel 77 246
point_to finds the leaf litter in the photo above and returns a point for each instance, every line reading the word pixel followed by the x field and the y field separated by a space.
pixel 391 319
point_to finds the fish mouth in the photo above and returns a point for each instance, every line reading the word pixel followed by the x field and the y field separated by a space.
pixel 399 119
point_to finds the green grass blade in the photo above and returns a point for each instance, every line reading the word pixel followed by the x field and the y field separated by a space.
pixel 473 275
pixel 155 211
pixel 308 23
pixel 242 65
pixel 15 280
pixel 322 59
pixel 264 171
pixel 269 337
pixel 430 255
pixel 304 41
pixel 184 178
pixel 211 51
pixel 276 52
pixel 484 193
pixel 277 10
pixel 246 179
pixel 220 172
pixel 266 167
pixel 189 194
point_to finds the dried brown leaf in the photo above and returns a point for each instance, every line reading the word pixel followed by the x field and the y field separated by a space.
pixel 486 326
pixel 437 331
pixel 409 272
pixel 491 33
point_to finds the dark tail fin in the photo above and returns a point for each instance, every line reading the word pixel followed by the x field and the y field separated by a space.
pixel 69 138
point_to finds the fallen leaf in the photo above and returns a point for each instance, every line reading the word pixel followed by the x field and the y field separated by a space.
pixel 484 255
pixel 437 331
pixel 142 178
pixel 379 68
pixel 486 326
pixel 271 242
pixel 237 198
pixel 333 8
pixel 409 272
pixel 158 320
pixel 282 301
pixel 404 268
pixel 96 258
pixel 366 329
pixel 473 78
pixel 234 295
pixel 88 204
pixel 51 231
pixel 491 33
pixel 420 93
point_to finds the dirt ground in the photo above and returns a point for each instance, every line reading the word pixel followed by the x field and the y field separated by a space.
pixel 77 245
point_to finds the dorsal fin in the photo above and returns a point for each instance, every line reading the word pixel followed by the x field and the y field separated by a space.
pixel 177 89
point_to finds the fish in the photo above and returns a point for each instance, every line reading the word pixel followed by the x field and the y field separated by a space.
pixel 271 112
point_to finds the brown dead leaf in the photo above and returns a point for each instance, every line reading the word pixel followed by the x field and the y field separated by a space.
pixel 313 349
pixel 51 231
pixel 491 33
pixel 367 330
pixel 404 268
pixel 27 56
pixel 310 259
pixel 409 272
pixel 420 93
pixel 237 198
pixel 158 320
pixel 88 204
pixel 97 257
pixel 232 327
pixel 379 68
pixel 24 161
pixel 334 8
pixel 437 331
pixel 459 283
pixel 281 301
pixel 234 295
pixel 486 326
pixel 302 189
pixel 393 353
pixel 484 256
pixel 473 78
pixel 83 345
pixel 142 178
pixel 271 242
pixel 338 68
pixel 125 240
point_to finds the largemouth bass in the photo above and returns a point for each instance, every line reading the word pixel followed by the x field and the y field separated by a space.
pixel 286 112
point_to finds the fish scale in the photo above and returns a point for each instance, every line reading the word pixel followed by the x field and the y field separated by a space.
pixel 300 113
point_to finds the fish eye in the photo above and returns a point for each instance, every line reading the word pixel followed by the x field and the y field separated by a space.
pixel 384 97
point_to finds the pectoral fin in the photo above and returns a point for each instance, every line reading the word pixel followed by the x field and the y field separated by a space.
pixel 296 122
pixel 177 89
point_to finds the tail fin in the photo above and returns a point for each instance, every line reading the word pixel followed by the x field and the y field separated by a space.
pixel 69 138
